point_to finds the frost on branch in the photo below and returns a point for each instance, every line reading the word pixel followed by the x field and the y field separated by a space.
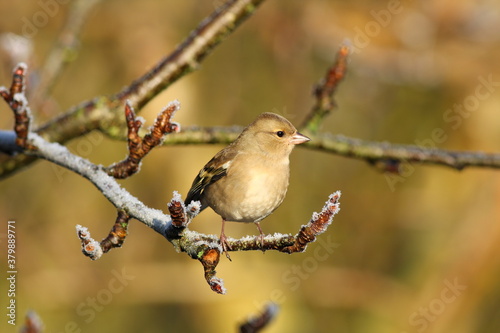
pixel 207 249
pixel 90 247
pixel 181 214
pixel 316 226
pixel 174 227
pixel 93 249
pixel 178 211
pixel 19 105
pixel 32 323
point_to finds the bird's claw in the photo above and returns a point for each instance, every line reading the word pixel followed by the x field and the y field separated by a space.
pixel 261 242
pixel 225 246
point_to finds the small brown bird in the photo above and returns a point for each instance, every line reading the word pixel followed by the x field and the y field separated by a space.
pixel 248 180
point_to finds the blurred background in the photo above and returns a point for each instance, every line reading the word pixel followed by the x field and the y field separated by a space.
pixel 418 253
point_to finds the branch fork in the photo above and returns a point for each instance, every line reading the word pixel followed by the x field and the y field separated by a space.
pixel 139 147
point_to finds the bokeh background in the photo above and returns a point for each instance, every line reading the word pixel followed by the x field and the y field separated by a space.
pixel 419 254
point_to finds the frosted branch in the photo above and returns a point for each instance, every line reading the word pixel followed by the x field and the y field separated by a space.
pixel 174 227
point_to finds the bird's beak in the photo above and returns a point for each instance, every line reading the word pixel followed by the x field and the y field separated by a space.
pixel 298 138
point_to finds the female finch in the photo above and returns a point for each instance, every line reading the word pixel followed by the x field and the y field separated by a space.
pixel 248 180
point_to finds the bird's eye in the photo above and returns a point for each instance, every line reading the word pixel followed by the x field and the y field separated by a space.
pixel 280 134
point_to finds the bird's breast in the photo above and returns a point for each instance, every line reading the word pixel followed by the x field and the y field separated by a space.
pixel 249 195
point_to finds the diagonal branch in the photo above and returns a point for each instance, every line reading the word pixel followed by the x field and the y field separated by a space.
pixel 188 55
pixel 104 112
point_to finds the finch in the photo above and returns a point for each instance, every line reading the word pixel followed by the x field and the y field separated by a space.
pixel 248 180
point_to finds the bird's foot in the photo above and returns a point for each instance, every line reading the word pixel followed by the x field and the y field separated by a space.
pixel 260 239
pixel 225 246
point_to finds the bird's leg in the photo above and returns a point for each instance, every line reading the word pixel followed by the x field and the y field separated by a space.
pixel 261 236
pixel 223 241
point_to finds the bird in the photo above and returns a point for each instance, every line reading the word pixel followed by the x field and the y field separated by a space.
pixel 247 180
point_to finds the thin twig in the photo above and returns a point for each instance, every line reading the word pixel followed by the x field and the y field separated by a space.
pixel 64 50
pixel 118 233
pixel 207 249
pixel 32 323
pixel 94 249
pixel 257 323
pixel 324 93
pixel 19 105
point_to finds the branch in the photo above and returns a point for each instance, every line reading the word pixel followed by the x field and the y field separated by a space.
pixel 318 224
pixel 64 49
pixel 18 103
pixel 324 90
pixel 116 237
pixel 103 112
pixel 389 157
pixel 205 248
pixel 32 323
pixel 384 155
pixel 257 323
pixel 189 54
pixel 8 143
pixel 139 147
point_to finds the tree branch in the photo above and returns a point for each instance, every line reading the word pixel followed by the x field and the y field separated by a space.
pixel 257 323
pixel 205 248
pixel 389 157
pixel 139 147
pixel 104 112
pixel 63 51
pixel 188 55
pixel 385 155
pixel 17 101
pixel 324 92
pixel 32 323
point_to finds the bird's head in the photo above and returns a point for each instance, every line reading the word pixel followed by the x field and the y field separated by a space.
pixel 272 134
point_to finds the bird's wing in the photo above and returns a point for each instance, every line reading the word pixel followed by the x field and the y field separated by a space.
pixel 214 170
